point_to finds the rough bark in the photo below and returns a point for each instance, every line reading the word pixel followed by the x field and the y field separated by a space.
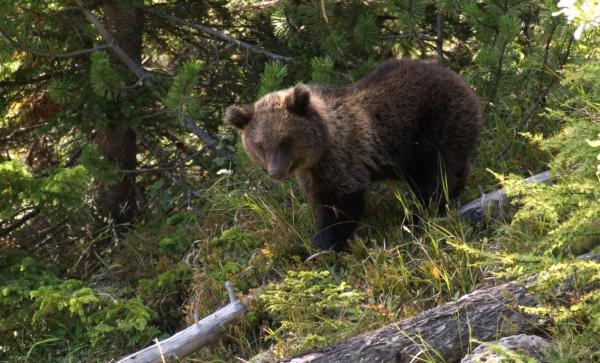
pixel 442 332
pixel 117 141
pixel 447 332
pixel 439 27
pixel 193 337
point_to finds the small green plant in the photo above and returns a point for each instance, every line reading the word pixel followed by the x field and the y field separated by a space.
pixel 43 315
pixel 272 77
pixel 575 285
pixel 182 97
pixel 311 310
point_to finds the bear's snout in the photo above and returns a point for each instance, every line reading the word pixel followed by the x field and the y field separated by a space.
pixel 278 165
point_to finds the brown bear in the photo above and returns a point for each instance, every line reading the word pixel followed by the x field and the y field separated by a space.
pixel 407 119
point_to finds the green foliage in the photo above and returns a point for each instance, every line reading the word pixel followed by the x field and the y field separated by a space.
pixel 104 78
pixel 577 320
pixel 98 167
pixel 272 78
pixel 125 321
pixel 366 33
pixel 564 215
pixel 59 90
pixel 61 192
pixel 182 98
pixel 321 70
pixel 562 219
pixel 16 185
pixel 596 144
pixel 36 305
pixel 65 188
pixel 311 310
pixel 165 281
pixel 113 291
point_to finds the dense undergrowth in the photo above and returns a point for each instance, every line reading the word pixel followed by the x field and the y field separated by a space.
pixel 254 232
pixel 242 227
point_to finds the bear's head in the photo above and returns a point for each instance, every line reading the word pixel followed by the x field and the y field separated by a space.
pixel 282 132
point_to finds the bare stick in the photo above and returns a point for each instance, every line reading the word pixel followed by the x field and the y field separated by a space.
pixel 495 201
pixel 193 337
pixel 218 35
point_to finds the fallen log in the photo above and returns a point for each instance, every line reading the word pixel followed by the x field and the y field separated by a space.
pixel 494 202
pixel 447 332
pixel 442 333
pixel 192 338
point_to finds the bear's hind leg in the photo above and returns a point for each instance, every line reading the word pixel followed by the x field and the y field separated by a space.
pixel 337 221
pixel 434 181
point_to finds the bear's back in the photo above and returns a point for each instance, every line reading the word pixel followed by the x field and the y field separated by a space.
pixel 412 102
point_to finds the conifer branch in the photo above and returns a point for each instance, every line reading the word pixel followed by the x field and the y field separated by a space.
pixel 219 35
pixel 22 47
pixel 155 151
pixel 179 165
pixel 143 78
pixel 421 36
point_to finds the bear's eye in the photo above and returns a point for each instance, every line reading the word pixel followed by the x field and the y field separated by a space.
pixel 286 143
pixel 260 148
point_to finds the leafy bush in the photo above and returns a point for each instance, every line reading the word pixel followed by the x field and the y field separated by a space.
pixel 311 309
pixel 43 315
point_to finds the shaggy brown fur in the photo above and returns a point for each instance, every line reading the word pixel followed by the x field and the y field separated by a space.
pixel 401 121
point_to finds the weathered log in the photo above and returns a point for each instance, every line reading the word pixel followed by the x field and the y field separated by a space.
pixel 442 333
pixel 447 332
pixel 192 338
pixel 494 202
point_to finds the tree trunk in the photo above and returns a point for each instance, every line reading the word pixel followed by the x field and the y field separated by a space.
pixel 117 141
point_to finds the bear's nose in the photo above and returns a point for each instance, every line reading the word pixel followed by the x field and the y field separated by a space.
pixel 277 166
pixel 276 173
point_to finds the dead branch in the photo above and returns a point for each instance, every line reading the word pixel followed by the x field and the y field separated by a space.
pixel 494 202
pixel 219 35
pixel 174 178
pixel 192 338
pixel 22 47
pixel 5 230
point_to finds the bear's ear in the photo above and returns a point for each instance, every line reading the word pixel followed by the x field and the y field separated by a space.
pixel 298 100
pixel 238 116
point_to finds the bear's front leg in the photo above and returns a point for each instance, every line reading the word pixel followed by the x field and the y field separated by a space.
pixel 337 220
